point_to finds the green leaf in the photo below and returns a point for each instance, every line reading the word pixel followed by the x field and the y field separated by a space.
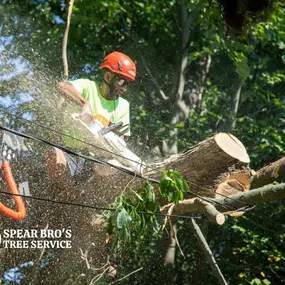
pixel 266 282
pixel 123 219
pixel 172 186
pixel 255 281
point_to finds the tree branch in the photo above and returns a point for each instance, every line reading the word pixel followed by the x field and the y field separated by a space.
pixel 201 206
pixel 208 253
pixel 215 213
pixel 161 92
pixel 257 196
pixel 269 173
pixel 65 39
pixel 170 254
pixel 133 272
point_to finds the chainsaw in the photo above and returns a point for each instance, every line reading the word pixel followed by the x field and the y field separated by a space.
pixel 107 135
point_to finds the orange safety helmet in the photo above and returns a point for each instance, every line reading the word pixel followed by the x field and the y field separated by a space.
pixel 121 64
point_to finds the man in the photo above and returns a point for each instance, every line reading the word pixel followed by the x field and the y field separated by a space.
pixel 104 97
pixel 96 98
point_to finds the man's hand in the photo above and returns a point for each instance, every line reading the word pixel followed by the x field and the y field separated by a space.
pixel 86 114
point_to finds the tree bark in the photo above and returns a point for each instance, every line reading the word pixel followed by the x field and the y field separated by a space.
pixel 257 196
pixel 181 109
pixel 265 194
pixel 234 105
pixel 205 72
pixel 208 253
pixel 206 164
pixel 169 258
pixel 269 173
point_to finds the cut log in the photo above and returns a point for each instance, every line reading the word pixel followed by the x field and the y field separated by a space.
pixel 207 164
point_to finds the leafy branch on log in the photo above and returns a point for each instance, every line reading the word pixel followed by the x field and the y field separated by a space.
pixel 134 213
pixel 220 164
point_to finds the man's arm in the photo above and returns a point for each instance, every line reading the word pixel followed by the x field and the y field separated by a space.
pixel 68 90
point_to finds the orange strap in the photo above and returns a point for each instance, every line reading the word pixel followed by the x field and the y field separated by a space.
pixel 21 214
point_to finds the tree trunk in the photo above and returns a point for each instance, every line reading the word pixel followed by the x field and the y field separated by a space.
pixel 204 72
pixel 181 108
pixel 234 105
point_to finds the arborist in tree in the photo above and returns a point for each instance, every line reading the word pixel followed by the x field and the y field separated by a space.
pixel 101 100
pixel 104 97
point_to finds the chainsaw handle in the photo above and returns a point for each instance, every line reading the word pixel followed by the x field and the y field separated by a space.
pixel 21 214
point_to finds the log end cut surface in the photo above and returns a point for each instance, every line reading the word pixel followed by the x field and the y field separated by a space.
pixel 232 146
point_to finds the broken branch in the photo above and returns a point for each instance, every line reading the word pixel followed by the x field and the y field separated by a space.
pixel 208 253
pixel 201 206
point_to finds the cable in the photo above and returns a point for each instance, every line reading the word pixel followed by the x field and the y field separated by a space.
pixel 125 170
pixel 96 160
pixel 68 136
pixel 118 155
pixel 94 207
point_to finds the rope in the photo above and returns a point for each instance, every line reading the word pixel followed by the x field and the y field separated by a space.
pixel 95 207
pixel 68 136
pixel 96 160
pixel 127 171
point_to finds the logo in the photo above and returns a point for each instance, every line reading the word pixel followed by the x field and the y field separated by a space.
pixel 36 238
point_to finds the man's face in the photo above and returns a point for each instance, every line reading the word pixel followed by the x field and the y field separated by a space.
pixel 117 87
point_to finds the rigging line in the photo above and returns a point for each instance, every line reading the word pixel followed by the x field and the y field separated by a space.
pixel 64 149
pixel 73 138
pixel 94 207
pixel 130 172
pixel 127 171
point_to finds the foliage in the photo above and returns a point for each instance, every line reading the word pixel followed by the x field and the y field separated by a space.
pixel 136 223
pixel 135 215
pixel 256 248
pixel 172 186
pixel 132 216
